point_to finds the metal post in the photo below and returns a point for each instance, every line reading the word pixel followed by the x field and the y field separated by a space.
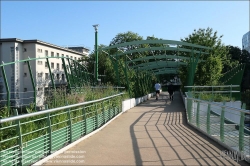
pixel 96 53
pixel 49 130
pixel 69 124
pixel 66 74
pixel 71 74
pixel 198 115
pixel 51 77
pixel 33 82
pixel 103 112
pixel 19 140
pixel 97 118
pixel 208 118
pixel 6 87
pixel 222 118
pixel 189 106
pixel 85 120
pixel 241 132
pixel 231 92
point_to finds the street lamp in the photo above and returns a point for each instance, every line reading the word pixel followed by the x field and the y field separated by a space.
pixel 96 53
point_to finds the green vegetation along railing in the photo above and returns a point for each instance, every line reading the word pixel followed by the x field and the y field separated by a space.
pixel 27 138
pixel 216 93
pixel 221 122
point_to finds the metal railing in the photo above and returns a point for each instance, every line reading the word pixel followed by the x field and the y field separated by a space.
pixel 222 121
pixel 27 138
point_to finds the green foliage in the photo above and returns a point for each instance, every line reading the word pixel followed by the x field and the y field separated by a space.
pixel 209 72
pixel 36 126
pixel 214 97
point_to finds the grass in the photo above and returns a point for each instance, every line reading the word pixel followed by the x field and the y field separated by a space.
pixel 36 126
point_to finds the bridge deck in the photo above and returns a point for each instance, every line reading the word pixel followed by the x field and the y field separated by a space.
pixel 152 133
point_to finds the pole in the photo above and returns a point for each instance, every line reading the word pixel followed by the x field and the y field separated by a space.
pixel 96 53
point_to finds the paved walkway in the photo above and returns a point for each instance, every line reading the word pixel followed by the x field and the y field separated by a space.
pixel 153 133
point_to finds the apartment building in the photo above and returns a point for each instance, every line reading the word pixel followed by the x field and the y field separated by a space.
pixel 18 75
pixel 246 41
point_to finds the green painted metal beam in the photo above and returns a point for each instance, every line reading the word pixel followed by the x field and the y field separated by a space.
pixel 151 67
pixel 158 48
pixel 160 57
pixel 66 74
pixel 167 63
pixel 166 72
pixel 6 87
pixel 170 42
pixel 51 77
pixel 33 83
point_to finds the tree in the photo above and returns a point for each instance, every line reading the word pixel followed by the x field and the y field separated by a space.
pixel 217 56
pixel 104 65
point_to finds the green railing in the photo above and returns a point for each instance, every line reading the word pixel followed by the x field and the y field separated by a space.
pixel 223 122
pixel 27 138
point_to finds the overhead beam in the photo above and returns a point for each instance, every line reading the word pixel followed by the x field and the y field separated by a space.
pixel 170 42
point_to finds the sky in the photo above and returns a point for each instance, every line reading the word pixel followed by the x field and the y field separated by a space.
pixel 69 23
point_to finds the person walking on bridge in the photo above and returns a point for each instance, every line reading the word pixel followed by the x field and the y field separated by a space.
pixel 171 91
pixel 157 90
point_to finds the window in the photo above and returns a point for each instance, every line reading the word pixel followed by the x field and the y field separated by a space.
pixel 75 58
pixel 25 62
pixel 53 75
pixel 39 62
pixel 46 53
pixel 57 54
pixel 62 66
pixel 24 50
pixel 57 76
pixel 39 74
pixel 46 91
pixel 52 54
pixel 39 50
pixel 40 89
pixel 62 55
pixel 46 65
pixel 25 89
pixel 57 66
pixel 78 58
pixel 71 57
pixel 25 74
pixel 52 65
pixel 67 56
pixel 46 76
pixel 63 78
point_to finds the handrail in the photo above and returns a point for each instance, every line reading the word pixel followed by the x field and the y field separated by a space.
pixel 212 86
pixel 221 105
pixel 54 109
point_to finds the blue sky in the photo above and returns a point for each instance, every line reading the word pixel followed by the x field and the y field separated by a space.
pixel 70 22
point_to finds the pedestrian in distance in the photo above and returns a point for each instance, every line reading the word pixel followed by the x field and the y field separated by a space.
pixel 157 90
pixel 171 91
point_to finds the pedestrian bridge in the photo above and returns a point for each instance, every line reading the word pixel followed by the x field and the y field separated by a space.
pixel 152 133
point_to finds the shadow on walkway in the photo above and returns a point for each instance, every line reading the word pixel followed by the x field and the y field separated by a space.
pixel 163 137
pixel 152 133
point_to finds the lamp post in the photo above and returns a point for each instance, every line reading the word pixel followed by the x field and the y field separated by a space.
pixel 96 53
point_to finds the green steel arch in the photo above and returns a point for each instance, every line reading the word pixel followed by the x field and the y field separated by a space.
pixel 156 56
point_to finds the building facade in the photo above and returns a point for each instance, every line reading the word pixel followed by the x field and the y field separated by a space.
pixel 246 42
pixel 19 76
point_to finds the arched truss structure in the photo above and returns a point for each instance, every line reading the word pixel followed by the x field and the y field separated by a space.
pixel 157 56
